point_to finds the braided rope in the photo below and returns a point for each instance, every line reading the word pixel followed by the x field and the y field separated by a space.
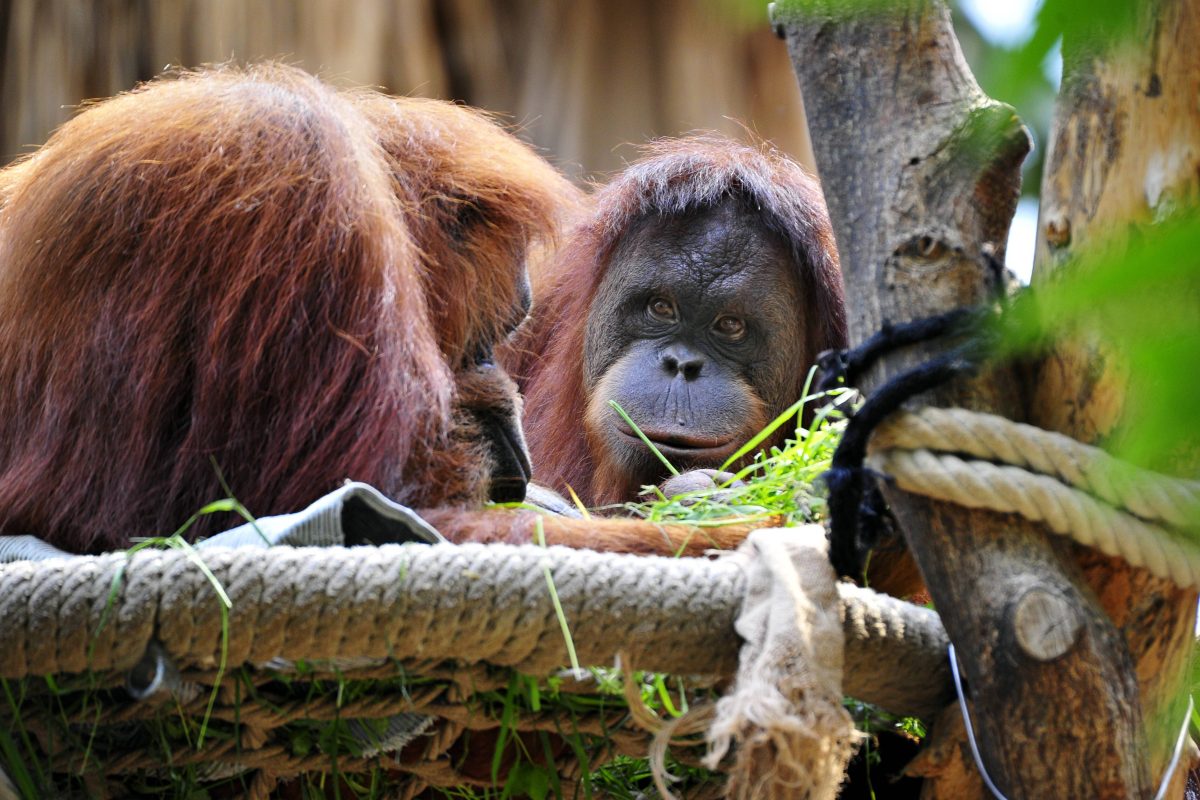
pixel 1149 495
pixel 451 613
pixel 1076 490
pixel 467 603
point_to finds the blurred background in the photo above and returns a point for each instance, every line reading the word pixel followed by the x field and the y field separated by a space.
pixel 583 80
pixel 580 79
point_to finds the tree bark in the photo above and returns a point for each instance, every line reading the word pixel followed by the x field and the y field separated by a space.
pixel 1124 151
pixel 921 174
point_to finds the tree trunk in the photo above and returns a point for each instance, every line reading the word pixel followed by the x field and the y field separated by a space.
pixel 1124 151
pixel 921 174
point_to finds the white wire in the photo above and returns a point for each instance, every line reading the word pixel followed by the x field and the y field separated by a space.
pixel 962 704
pixel 1162 787
pixel 987 779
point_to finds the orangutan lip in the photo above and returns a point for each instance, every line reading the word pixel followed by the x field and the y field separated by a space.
pixel 682 445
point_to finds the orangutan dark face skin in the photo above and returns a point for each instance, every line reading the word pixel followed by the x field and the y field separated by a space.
pixel 695 332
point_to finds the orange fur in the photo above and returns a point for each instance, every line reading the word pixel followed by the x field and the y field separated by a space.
pixel 611 535
pixel 207 269
pixel 478 201
pixel 247 268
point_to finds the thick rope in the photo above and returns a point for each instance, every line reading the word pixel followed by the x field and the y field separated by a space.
pixel 903 449
pixel 470 603
pixel 1146 494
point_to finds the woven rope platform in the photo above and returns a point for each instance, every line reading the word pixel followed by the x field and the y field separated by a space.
pixel 444 629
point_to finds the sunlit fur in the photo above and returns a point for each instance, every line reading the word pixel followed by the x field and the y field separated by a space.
pixel 478 203
pixel 221 271
pixel 674 176
pixel 607 534
pixel 247 270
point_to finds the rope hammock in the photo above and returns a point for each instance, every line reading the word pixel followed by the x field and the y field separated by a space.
pixel 463 618
pixel 460 617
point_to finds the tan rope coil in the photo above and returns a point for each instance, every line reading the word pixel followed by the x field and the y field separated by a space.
pixel 1147 494
pixel 470 603
pixel 1076 490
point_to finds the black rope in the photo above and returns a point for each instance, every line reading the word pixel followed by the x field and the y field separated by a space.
pixel 845 367
pixel 858 515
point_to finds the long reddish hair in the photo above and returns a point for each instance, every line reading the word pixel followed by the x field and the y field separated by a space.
pixel 479 203
pixel 210 270
pixel 674 176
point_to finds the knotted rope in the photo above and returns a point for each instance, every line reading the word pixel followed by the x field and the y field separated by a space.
pixel 784 711
pixel 1149 520
pixel 1076 490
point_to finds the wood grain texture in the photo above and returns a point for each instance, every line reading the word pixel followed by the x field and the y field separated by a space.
pixel 1124 152
pixel 921 174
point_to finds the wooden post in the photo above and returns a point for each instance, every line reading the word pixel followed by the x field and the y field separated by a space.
pixel 1124 152
pixel 921 174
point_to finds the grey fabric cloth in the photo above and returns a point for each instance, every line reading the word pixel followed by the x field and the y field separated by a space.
pixel 27 548
pixel 354 514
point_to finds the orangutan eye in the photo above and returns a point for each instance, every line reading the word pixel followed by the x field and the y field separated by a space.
pixel 662 308
pixel 730 327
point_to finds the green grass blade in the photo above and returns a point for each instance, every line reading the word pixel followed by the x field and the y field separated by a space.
pixel 15 768
pixel 540 534
pixel 238 507
pixel 620 411
pixel 226 604
pixel 775 424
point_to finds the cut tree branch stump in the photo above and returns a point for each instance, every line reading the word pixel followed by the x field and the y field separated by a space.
pixel 921 173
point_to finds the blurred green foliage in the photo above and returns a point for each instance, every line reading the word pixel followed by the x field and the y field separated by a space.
pixel 1138 293
pixel 1140 296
